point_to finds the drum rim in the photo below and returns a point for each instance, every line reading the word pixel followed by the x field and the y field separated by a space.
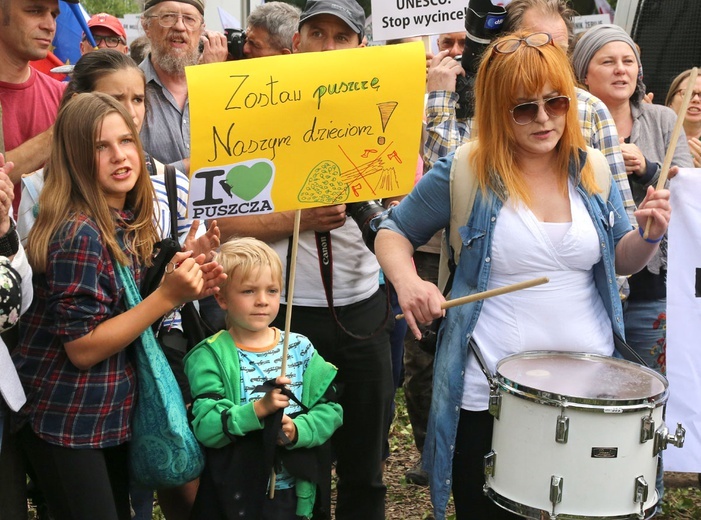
pixel 536 513
pixel 523 391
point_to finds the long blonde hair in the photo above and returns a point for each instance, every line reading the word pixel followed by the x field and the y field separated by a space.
pixel 499 79
pixel 71 185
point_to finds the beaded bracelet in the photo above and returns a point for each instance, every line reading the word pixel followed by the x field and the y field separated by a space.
pixel 649 240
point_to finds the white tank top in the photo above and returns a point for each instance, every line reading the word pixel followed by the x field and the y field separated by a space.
pixel 566 314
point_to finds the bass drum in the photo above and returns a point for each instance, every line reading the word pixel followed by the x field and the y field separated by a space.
pixel 576 436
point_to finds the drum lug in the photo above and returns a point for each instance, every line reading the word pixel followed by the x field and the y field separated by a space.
pixel 490 461
pixel 647 430
pixel 494 402
pixel 640 495
pixel 556 484
pixel 562 429
pixel 663 438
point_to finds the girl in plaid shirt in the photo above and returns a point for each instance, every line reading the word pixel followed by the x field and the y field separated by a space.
pixel 74 357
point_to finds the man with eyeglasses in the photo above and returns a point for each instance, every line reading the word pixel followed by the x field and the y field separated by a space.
pixel 175 29
pixel 108 33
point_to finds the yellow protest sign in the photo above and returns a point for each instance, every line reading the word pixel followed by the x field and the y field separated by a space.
pixel 304 130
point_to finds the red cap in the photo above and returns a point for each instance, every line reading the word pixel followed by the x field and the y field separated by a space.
pixel 108 22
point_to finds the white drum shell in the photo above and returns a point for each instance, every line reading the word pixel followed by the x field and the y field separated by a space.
pixel 528 456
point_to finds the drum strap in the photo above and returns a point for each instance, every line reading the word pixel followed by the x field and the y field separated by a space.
pixel 627 352
pixel 482 363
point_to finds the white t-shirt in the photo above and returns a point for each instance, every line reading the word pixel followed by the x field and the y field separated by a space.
pixel 355 269
pixel 567 314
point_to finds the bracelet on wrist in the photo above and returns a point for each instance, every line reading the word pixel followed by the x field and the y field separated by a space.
pixel 649 240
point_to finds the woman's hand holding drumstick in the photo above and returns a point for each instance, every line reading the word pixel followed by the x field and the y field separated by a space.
pixel 489 294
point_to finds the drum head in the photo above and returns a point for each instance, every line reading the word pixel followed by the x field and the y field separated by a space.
pixel 581 378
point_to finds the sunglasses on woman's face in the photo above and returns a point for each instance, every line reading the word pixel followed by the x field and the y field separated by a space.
pixel 525 113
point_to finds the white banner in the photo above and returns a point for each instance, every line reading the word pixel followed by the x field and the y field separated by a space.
pixel 393 19
pixel 684 321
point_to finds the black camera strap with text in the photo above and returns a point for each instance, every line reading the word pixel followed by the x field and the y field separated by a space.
pixel 323 247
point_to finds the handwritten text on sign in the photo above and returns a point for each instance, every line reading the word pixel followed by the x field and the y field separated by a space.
pixel 304 130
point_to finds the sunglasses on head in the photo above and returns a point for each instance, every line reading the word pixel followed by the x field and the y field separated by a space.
pixel 525 113
pixel 511 45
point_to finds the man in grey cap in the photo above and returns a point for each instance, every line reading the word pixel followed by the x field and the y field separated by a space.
pixel 327 25
pixel 350 325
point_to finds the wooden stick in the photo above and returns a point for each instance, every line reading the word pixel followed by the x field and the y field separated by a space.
pixel 673 141
pixel 489 294
pixel 288 317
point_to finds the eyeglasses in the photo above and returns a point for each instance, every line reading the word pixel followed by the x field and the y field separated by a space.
pixel 526 113
pixel 170 19
pixel 682 92
pixel 110 41
pixel 511 45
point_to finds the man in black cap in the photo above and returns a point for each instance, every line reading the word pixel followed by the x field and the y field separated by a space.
pixel 350 325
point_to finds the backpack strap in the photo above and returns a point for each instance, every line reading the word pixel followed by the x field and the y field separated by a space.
pixel 463 189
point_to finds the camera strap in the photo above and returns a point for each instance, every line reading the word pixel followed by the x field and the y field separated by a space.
pixel 324 252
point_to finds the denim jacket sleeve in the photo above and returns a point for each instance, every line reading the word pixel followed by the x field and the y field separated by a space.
pixel 426 209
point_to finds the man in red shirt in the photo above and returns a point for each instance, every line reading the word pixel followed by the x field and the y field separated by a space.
pixel 29 99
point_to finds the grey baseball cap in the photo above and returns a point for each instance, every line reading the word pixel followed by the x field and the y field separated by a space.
pixel 347 10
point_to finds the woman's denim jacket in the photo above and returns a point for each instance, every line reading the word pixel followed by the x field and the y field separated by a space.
pixel 426 210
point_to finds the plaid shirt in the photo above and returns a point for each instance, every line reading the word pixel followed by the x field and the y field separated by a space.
pixel 445 133
pixel 65 405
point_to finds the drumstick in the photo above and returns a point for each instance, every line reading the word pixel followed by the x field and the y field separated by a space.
pixel 673 141
pixel 488 294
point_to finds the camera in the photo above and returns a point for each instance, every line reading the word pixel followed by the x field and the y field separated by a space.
pixel 363 213
pixel 235 40
pixel 483 23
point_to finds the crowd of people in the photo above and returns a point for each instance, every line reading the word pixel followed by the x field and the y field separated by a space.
pixel 564 151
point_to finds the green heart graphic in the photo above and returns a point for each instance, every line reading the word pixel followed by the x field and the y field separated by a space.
pixel 248 181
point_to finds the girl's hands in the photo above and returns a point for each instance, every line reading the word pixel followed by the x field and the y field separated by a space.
pixel 183 280
pixel 206 244
pixel 273 400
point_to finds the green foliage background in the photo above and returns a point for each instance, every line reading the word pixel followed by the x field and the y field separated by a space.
pixel 117 8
